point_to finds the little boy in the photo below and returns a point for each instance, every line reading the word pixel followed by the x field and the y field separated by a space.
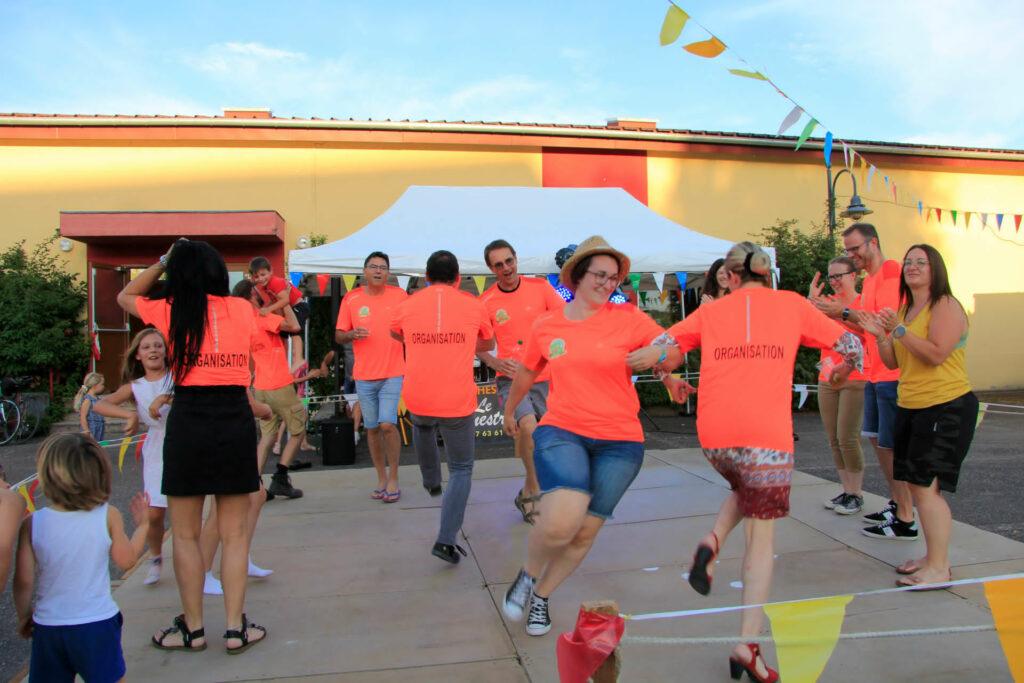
pixel 276 293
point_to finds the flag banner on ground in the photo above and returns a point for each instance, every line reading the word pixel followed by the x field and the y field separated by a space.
pixel 982 407
pixel 675 20
pixel 403 281
pixel 350 282
pixel 138 448
pixel 792 117
pixel 808 129
pixel 1006 600
pixel 481 281
pixel 581 652
pixel 125 442
pixel 827 149
pixel 659 281
pixel 805 634
pixel 296 278
pixel 756 75
pixel 709 49
pixel 323 283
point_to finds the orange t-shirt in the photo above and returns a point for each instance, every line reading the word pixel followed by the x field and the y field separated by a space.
pixel 230 332
pixel 276 285
pixel 440 325
pixel 513 313
pixel 830 358
pixel 269 355
pixel 592 392
pixel 380 355
pixel 748 343
pixel 881 290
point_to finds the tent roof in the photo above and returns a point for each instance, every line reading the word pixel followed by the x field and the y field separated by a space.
pixel 537 221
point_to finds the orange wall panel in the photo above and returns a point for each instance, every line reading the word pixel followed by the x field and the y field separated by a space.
pixel 591 168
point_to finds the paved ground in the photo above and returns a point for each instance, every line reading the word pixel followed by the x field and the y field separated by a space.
pixel 683 494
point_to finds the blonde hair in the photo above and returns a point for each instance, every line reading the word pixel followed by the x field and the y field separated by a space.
pixel 74 471
pixel 132 368
pixel 750 262
pixel 91 380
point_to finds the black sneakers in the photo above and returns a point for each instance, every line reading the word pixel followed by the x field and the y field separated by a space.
pixel 448 553
pixel 434 491
pixel 831 504
pixel 517 596
pixel 895 530
pixel 281 485
pixel 539 622
pixel 886 514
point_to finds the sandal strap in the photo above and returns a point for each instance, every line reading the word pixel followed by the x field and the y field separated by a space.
pixel 179 626
pixel 243 633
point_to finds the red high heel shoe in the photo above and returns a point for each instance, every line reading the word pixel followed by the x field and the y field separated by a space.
pixel 736 667
pixel 699 578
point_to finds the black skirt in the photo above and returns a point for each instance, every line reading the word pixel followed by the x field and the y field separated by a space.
pixel 210 446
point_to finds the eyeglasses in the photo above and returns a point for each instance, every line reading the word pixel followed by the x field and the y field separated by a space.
pixel 854 250
pixel 507 263
pixel 919 262
pixel 377 267
pixel 838 276
pixel 601 278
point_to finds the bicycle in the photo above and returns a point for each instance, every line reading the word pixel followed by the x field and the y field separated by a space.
pixel 18 420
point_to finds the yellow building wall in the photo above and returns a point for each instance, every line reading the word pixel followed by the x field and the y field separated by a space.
pixel 735 199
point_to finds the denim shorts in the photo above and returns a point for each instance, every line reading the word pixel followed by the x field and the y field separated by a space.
pixel 600 468
pixel 880 412
pixel 379 400
pixel 92 651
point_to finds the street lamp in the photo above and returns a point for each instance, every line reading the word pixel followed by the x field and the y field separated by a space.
pixel 856 210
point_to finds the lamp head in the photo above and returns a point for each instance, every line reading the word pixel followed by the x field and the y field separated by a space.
pixel 856 210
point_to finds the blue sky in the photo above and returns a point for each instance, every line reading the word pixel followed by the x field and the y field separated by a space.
pixel 939 72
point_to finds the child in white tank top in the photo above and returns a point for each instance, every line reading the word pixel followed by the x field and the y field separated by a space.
pixel 76 625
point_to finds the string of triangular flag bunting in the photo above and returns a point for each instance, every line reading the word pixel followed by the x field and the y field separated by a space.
pixel 676 19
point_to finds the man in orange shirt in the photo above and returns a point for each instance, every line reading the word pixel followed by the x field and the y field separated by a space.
pixel 880 290
pixel 364 319
pixel 513 304
pixel 442 328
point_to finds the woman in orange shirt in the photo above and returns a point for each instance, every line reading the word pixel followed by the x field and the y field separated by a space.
pixel 588 447
pixel 748 343
pixel 210 442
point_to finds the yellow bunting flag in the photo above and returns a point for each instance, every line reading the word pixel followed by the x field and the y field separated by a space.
pixel 480 281
pixel 350 282
pixel 805 635
pixel 967 218
pixel 982 408
pixel 756 75
pixel 1006 600
pixel 125 442
pixel 30 506
pixel 675 20
pixel 710 48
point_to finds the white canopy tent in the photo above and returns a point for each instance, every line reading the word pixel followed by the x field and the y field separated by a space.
pixel 537 221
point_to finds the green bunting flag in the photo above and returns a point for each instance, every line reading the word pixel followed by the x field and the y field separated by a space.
pixel 808 129
pixel 675 20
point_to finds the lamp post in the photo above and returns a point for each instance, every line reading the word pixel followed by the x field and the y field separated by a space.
pixel 856 210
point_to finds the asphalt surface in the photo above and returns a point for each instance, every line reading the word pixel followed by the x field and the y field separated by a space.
pixel 991 479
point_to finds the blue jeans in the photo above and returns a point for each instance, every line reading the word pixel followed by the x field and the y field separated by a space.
pixel 459 436
pixel 379 400
pixel 880 412
pixel 600 468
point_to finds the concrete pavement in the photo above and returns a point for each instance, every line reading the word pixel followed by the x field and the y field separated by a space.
pixel 356 595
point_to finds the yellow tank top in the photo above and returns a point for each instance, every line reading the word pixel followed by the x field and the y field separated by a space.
pixel 923 385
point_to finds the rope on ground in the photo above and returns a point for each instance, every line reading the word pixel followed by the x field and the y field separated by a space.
pixel 726 640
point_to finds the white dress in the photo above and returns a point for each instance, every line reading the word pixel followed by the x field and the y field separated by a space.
pixel 153 448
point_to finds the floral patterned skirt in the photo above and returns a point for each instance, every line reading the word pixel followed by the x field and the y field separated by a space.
pixel 760 476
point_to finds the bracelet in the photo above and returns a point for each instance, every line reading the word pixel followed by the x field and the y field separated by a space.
pixel 663 356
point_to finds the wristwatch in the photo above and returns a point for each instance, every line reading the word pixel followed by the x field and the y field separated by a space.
pixel 899 331
pixel 163 261
pixel 846 314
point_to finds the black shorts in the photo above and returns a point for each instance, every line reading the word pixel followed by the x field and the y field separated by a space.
pixel 931 443
pixel 210 446
pixel 302 315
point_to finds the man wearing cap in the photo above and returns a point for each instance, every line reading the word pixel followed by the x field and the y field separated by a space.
pixel 513 304
pixel 442 328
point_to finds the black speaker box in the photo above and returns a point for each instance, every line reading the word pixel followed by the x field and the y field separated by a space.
pixel 337 440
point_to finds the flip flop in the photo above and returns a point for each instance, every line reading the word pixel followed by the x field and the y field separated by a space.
pixel 916 586
pixel 378 494
pixel 392 497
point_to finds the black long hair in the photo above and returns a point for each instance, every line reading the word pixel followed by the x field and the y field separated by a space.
pixel 711 286
pixel 194 270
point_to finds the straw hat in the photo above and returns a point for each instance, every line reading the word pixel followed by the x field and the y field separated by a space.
pixel 593 246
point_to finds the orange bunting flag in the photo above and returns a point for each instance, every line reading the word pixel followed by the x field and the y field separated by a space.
pixel 709 49
pixel 928 215
pixel 938 215
pixel 323 283
pixel 125 442
pixel 805 633
pixel 675 20
pixel 1016 220
pixel 967 218
pixel 1006 600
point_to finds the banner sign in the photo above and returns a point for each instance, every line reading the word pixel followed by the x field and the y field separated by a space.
pixel 489 418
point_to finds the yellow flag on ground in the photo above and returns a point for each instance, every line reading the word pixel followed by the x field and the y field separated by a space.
pixel 982 407
pixel 1006 600
pixel 480 281
pixel 350 282
pixel 675 20
pixel 125 442
pixel 710 48
pixel 805 635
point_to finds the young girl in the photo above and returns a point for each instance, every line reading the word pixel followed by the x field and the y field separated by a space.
pixel 85 401
pixel 76 625
pixel 145 377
